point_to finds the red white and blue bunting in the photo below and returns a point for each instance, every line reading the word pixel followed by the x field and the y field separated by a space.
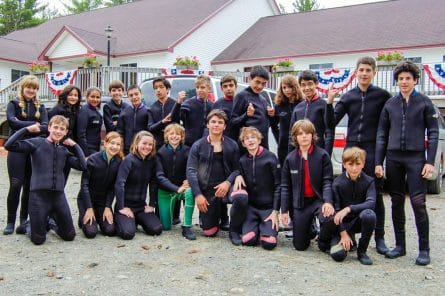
pixel 58 80
pixel 436 74
pixel 342 78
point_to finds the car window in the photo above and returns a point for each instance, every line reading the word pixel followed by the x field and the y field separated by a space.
pixel 187 85
pixel 343 122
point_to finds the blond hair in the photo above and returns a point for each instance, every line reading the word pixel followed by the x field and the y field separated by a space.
pixel 203 79
pixel 250 130
pixel 33 82
pixel 303 125
pixel 297 95
pixel 174 127
pixel 354 155
pixel 115 135
pixel 137 138
pixel 59 119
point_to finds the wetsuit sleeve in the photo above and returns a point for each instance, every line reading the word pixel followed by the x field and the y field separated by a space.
pixel 108 122
pixel 13 122
pixel 239 112
pixel 120 128
pixel 382 137
pixel 184 115
pixel 82 125
pixel 43 120
pixel 121 179
pixel 16 144
pixel 327 179
pixel 192 170
pixel 293 119
pixel 276 176
pixel 432 132
pixel 176 112
pixel 153 126
pixel 235 165
pixel 274 125
pixel 329 117
pixel 286 189
pixel 340 110
pixel 85 190
pixel 77 161
pixel 369 202
pixel 163 181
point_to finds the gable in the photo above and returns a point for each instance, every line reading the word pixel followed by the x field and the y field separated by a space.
pixel 66 46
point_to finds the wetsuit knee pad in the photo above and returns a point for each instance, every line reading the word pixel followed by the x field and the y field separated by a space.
pixel 37 239
pixel 211 231
pixel 268 242
pixel 249 239
pixel 240 197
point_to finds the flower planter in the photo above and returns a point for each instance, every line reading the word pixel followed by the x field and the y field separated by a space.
pixel 387 64
pixel 281 69
pixel 186 67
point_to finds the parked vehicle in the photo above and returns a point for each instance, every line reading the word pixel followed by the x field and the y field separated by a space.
pixel 434 185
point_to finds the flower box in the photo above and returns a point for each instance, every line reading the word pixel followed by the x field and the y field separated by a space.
pixel 186 67
pixel 281 69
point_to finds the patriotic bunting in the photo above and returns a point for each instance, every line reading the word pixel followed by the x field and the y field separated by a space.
pixel 342 78
pixel 57 81
pixel 436 74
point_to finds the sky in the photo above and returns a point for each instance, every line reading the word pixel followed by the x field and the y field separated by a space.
pixel 329 3
pixel 286 3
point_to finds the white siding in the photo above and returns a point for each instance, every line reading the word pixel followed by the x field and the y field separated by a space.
pixel 66 46
pixel 220 31
pixel 5 72
pixel 429 55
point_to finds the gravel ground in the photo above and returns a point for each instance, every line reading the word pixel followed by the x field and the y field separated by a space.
pixel 171 265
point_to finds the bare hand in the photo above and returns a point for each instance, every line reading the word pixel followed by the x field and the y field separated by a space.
pixel 378 171
pixel 428 171
pixel 89 217
pixel 181 97
pixel 167 118
pixel 285 219
pixel 332 93
pixel 270 111
pixel 345 241
pixel 338 218
pixel 181 189
pixel 239 183
pixel 108 215
pixel 274 218
pixel 201 203
pixel 69 142
pixel 250 110
pixel 327 210
pixel 127 212
pixel 185 183
pixel 222 189
pixel 34 128
pixel 149 209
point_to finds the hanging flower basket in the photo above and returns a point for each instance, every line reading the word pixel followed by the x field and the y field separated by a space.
pixel 282 69
pixel 90 61
pixel 38 68
pixel 186 62
pixel 186 67
pixel 285 65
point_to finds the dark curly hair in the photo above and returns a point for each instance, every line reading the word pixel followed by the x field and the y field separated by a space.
pixel 407 66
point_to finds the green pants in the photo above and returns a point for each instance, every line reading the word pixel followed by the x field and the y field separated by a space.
pixel 166 203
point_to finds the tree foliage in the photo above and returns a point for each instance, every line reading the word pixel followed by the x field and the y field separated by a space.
pixel 78 6
pixel 110 3
pixel 305 5
pixel 20 14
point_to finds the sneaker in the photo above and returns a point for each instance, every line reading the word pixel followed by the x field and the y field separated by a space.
pixel 21 229
pixel 9 229
pixel 176 221
pixel 338 253
pixel 364 259
pixel 423 258
pixel 398 251
pixel 235 238
pixel 51 225
pixel 188 233
pixel 381 247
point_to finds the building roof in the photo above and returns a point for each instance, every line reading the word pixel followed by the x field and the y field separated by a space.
pixel 17 51
pixel 396 24
pixel 139 27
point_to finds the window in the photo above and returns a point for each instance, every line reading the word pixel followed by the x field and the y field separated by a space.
pixel 416 60
pixel 443 59
pixel 321 66
pixel 129 78
pixel 16 74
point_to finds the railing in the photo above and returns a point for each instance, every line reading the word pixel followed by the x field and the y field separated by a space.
pixel 101 77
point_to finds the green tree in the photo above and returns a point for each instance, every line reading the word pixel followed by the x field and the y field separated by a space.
pixel 110 3
pixel 19 14
pixel 305 5
pixel 78 6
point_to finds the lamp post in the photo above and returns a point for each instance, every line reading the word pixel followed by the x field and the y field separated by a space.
pixel 108 32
